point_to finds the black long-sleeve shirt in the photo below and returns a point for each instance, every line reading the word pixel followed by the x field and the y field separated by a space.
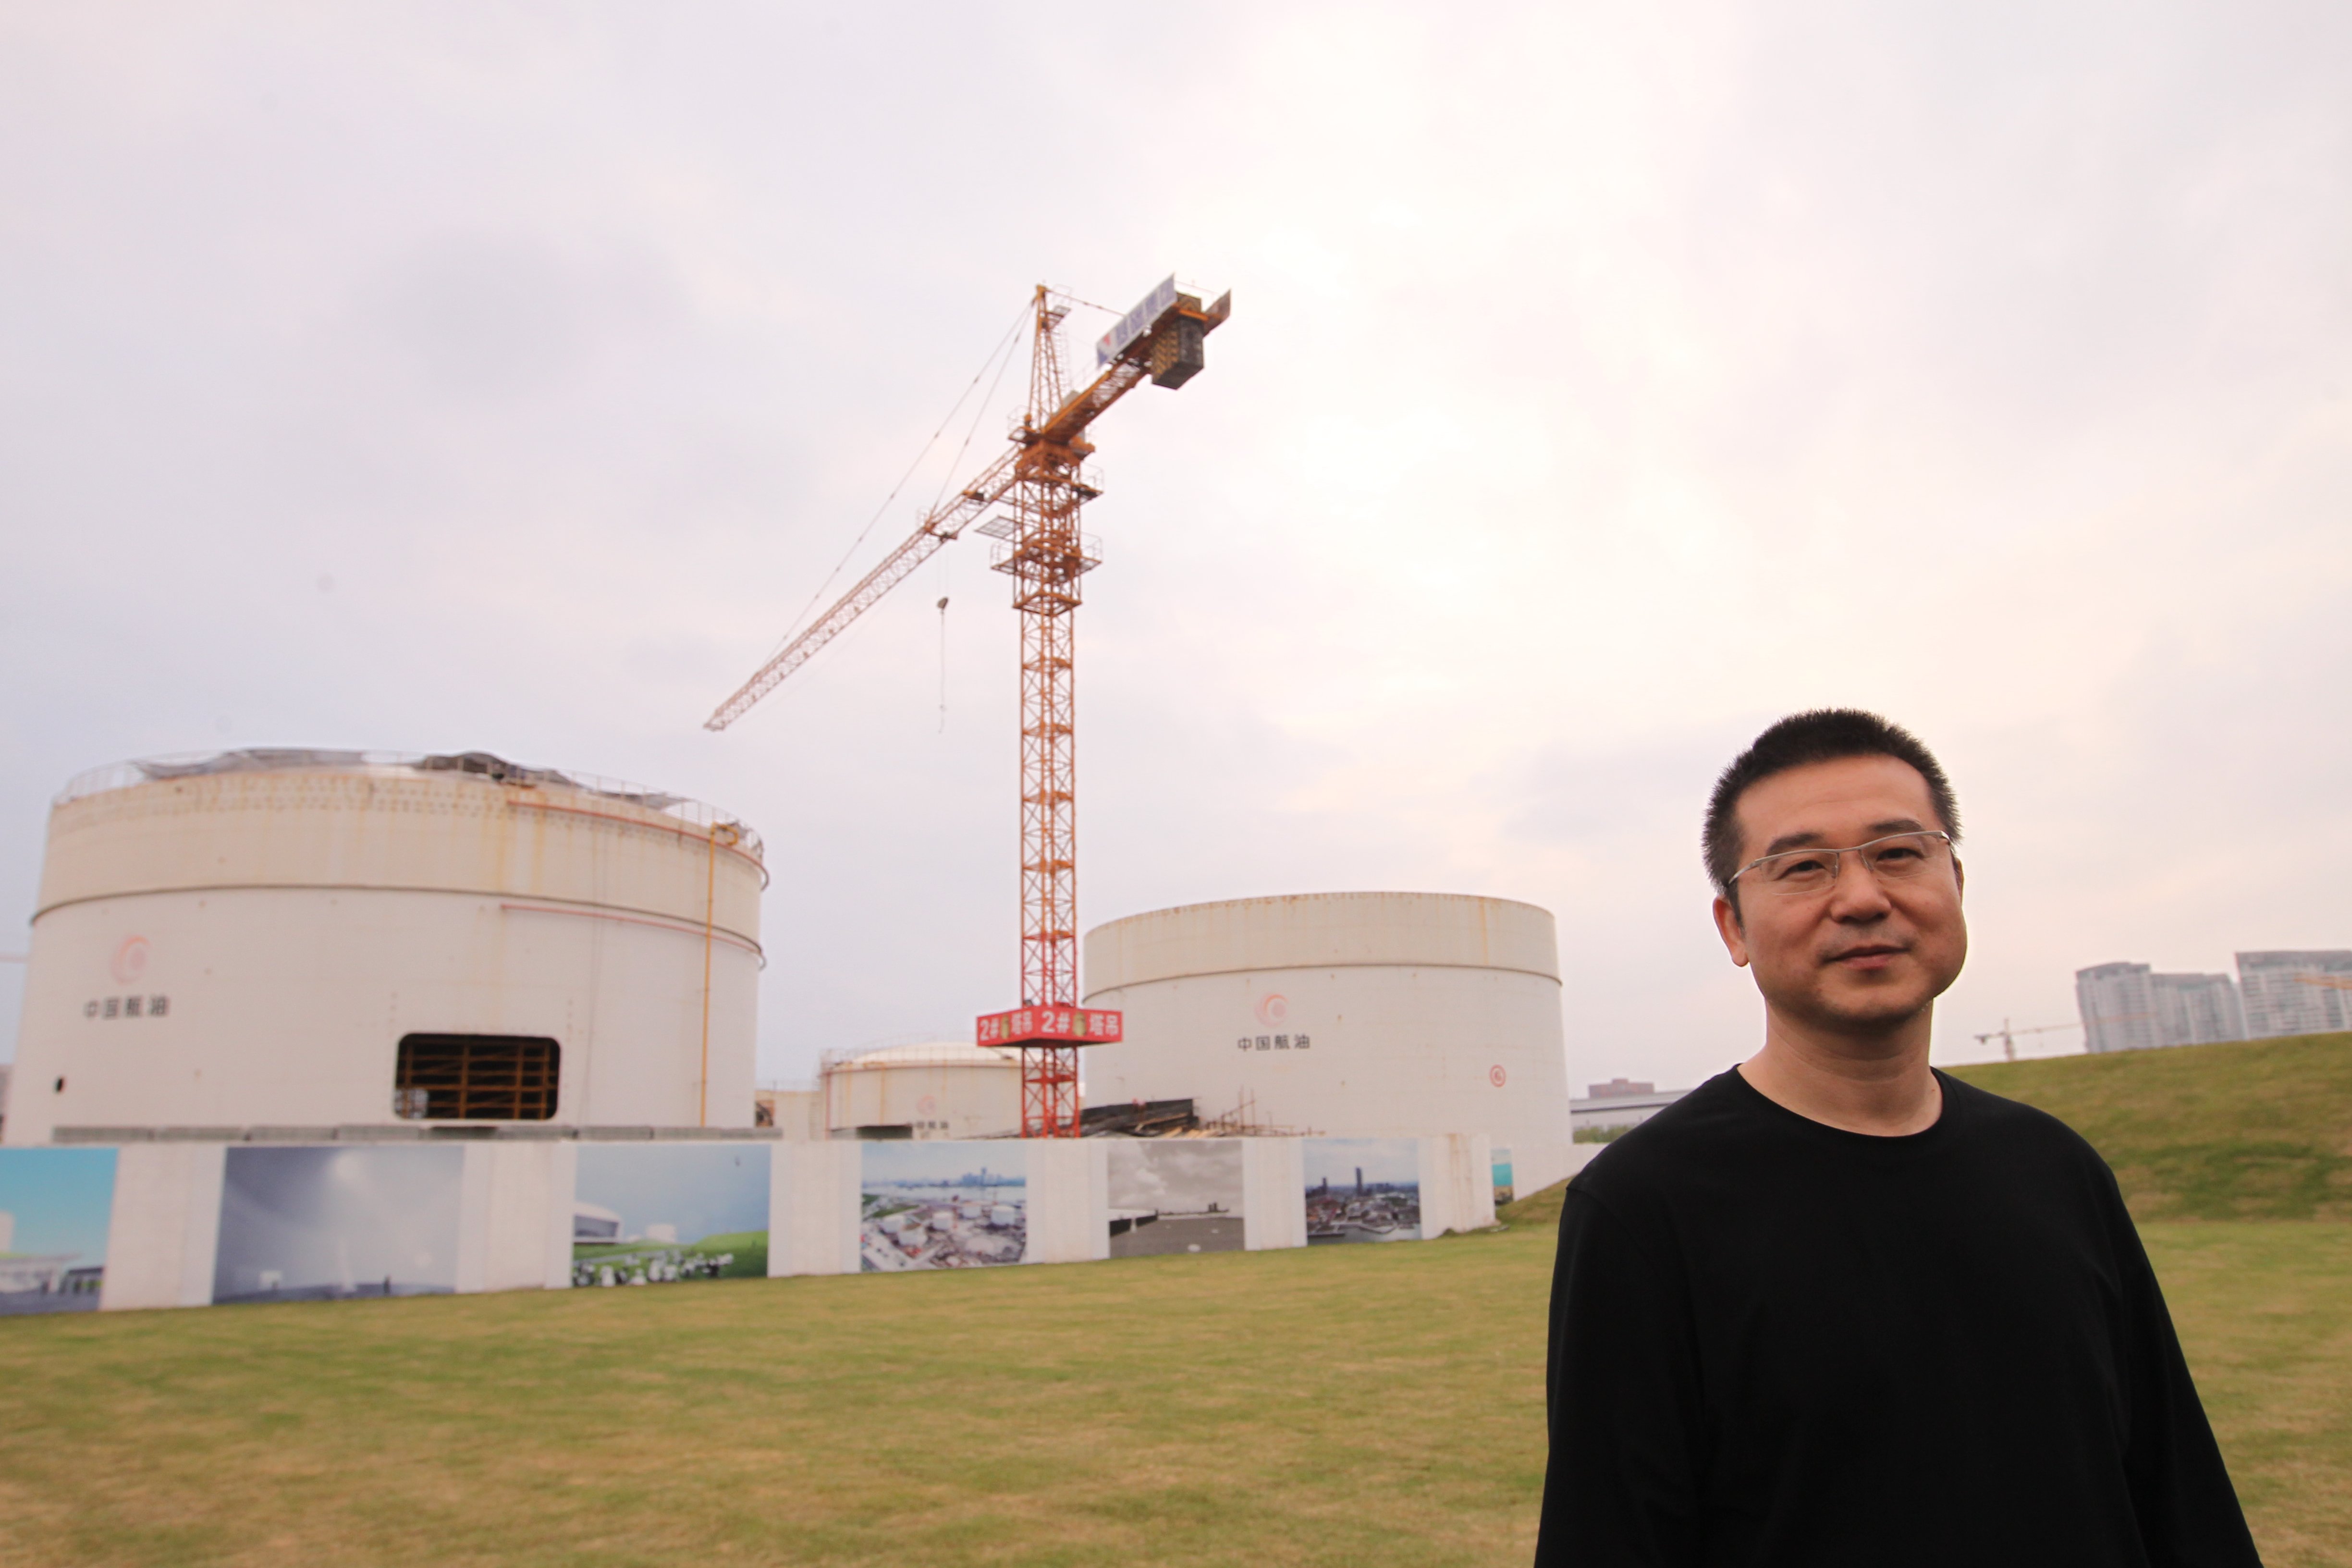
pixel 1776 1344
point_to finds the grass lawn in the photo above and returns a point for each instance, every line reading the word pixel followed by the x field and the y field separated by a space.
pixel 2264 1310
pixel 2260 1130
pixel 1341 1406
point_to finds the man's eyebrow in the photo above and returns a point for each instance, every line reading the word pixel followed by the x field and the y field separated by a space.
pixel 1787 841
pixel 1791 841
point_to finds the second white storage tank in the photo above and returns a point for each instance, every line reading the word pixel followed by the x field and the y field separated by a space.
pixel 1345 1014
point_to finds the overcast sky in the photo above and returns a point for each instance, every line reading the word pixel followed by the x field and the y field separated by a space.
pixel 1602 383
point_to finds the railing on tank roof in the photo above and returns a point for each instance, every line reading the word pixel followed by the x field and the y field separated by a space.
pixel 471 764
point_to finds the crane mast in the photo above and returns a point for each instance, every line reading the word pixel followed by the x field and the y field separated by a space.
pixel 1036 490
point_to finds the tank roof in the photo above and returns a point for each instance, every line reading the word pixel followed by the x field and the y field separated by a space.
pixel 486 765
pixel 923 1052
pixel 1317 931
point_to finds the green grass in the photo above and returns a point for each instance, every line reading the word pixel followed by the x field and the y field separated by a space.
pixel 1327 1406
pixel 2261 1130
pixel 2265 1310
pixel 1361 1406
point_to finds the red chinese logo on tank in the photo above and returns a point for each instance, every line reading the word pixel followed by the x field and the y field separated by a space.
pixel 1496 1076
pixel 129 960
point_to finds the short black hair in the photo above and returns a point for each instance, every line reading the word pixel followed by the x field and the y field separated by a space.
pixel 1823 735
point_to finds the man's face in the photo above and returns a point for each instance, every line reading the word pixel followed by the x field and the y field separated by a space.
pixel 1861 955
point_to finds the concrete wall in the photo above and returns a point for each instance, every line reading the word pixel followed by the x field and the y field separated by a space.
pixel 246 950
pixel 166 1220
pixel 1274 1177
pixel 1457 1184
pixel 812 1209
pixel 515 1207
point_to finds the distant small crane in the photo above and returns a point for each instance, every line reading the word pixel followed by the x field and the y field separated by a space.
pixel 2008 1037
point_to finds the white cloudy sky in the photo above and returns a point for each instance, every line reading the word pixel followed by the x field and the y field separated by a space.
pixel 1603 382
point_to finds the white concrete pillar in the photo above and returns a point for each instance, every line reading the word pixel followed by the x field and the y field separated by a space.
pixel 1274 1193
pixel 164 1226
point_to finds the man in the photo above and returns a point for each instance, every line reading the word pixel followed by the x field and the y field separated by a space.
pixel 1833 1308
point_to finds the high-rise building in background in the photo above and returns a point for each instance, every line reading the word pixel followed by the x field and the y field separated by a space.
pixel 2196 1009
pixel 2130 1007
pixel 2296 992
pixel 2118 1007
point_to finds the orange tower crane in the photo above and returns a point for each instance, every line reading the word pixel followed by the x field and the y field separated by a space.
pixel 1037 488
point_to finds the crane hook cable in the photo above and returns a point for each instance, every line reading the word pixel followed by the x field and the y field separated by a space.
pixel 1002 346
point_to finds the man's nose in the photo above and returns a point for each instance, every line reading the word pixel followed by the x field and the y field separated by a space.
pixel 1857 895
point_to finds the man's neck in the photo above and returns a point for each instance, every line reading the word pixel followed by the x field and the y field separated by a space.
pixel 1881 1086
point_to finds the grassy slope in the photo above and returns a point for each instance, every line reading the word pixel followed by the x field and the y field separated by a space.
pixel 2265 1310
pixel 1332 1405
pixel 2261 1130
pixel 1359 1406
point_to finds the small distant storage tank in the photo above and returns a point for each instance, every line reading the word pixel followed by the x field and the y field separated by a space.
pixel 1347 1013
pixel 309 939
pixel 938 1088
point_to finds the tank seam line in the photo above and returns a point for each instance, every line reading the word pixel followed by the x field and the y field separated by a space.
pixel 370 888
pixel 1276 968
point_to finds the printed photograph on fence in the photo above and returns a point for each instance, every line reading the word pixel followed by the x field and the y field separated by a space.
pixel 664 1214
pixel 1174 1195
pixel 942 1205
pixel 54 1206
pixel 1363 1189
pixel 314 1225
pixel 1503 1192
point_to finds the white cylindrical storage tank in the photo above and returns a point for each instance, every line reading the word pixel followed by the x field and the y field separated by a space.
pixel 938 1088
pixel 339 939
pixel 1345 1014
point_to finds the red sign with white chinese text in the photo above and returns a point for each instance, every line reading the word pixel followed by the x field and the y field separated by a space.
pixel 1052 1025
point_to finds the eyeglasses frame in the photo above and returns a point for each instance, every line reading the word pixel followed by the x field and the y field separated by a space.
pixel 1837 863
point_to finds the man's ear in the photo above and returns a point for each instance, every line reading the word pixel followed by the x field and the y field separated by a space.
pixel 1727 927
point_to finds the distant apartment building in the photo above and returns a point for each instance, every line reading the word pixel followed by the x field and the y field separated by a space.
pixel 2130 1007
pixel 2118 1007
pixel 2296 992
pixel 2196 1009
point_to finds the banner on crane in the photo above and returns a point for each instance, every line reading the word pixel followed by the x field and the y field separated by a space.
pixel 1057 1025
pixel 1136 322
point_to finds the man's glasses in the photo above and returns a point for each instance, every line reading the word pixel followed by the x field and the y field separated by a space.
pixel 1897 858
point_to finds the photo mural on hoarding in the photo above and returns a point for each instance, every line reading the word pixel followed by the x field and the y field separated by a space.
pixel 942 1205
pixel 316 1224
pixel 664 1214
pixel 55 1207
pixel 1363 1189
pixel 1174 1195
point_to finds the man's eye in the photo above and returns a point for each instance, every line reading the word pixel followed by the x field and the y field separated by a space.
pixel 1802 865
